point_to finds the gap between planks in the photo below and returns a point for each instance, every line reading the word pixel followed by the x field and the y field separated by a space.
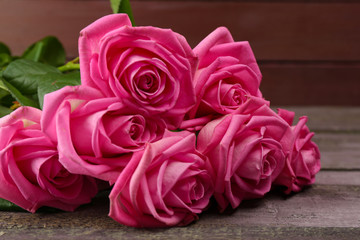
pixel 330 119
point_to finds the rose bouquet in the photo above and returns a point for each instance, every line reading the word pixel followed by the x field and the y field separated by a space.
pixel 165 126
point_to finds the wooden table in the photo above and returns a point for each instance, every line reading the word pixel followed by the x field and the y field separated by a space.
pixel 330 209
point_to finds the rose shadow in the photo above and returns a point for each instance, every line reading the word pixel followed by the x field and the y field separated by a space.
pixel 276 193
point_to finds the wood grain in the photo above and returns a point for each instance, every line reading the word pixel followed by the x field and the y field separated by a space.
pixel 287 30
pixel 212 232
pixel 329 177
pixel 329 118
pixel 297 31
pixel 23 22
pixel 273 217
pixel 311 83
pixel 309 53
pixel 339 151
pixel 308 50
pixel 337 134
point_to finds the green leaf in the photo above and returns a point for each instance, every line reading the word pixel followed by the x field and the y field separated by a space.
pixel 23 100
pixel 5 59
pixel 3 92
pixel 51 82
pixel 4 49
pixel 28 81
pixel 6 100
pixel 2 86
pixel 3 112
pixel 48 50
pixel 70 66
pixel 23 75
pixel 122 6
pixel 9 206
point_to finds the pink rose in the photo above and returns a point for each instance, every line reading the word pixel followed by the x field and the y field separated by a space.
pixel 31 175
pixel 96 135
pixel 303 161
pixel 227 74
pixel 149 66
pixel 245 152
pixel 166 184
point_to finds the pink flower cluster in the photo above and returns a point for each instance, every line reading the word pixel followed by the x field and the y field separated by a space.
pixel 167 126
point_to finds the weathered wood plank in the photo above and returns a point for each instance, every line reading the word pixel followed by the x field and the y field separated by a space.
pixel 213 231
pixel 300 31
pixel 273 217
pixel 339 151
pixel 329 177
pixel 329 118
pixel 279 33
pixel 294 30
pixel 337 133
pixel 310 208
pixel 311 83
pixel 24 22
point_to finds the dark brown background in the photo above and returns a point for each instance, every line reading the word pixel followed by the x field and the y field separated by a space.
pixel 308 51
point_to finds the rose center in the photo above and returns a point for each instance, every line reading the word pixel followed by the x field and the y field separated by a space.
pixel 197 192
pixel 268 166
pixel 61 174
pixel 124 131
pixel 237 98
pixel 238 95
pixel 232 95
pixel 147 83
pixel 135 131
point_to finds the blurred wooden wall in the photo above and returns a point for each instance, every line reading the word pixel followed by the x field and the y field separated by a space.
pixel 308 50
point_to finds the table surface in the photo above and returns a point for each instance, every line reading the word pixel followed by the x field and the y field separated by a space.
pixel 330 209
